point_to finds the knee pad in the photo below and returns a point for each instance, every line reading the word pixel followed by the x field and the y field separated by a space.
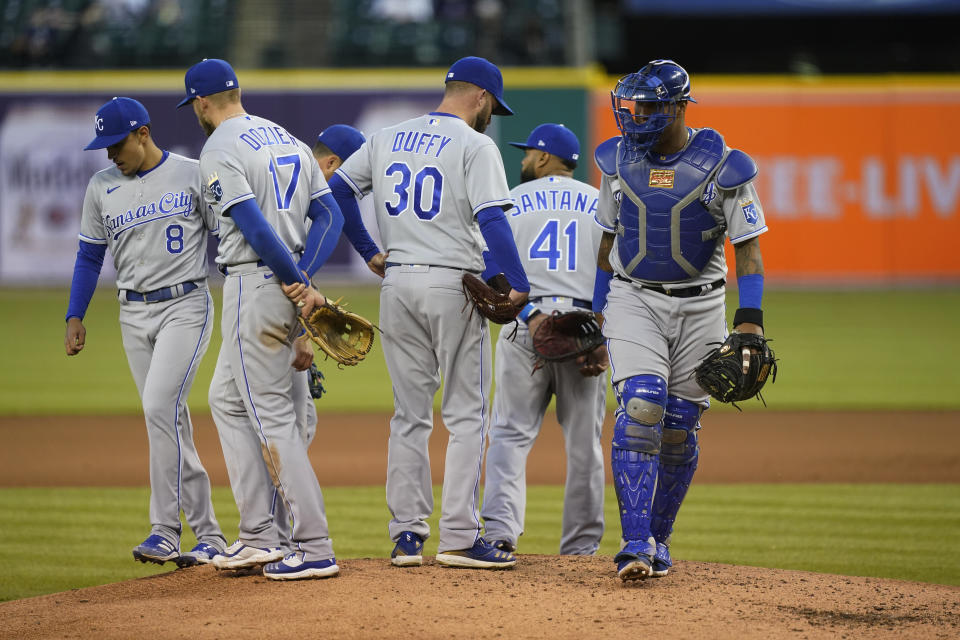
pixel 681 420
pixel 639 426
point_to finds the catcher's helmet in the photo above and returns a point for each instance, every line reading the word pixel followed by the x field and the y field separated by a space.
pixel 645 103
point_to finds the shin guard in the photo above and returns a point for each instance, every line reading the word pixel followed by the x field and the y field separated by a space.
pixel 678 462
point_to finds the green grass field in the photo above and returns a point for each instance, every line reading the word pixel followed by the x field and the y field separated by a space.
pixel 837 349
pixel 884 531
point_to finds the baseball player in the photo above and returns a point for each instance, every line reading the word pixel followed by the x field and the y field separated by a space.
pixel 558 239
pixel 333 145
pixel 669 195
pixel 262 183
pixel 146 209
pixel 439 192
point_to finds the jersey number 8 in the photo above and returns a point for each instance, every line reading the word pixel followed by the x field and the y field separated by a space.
pixel 174 239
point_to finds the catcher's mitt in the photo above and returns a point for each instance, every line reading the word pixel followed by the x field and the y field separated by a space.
pixel 342 335
pixel 721 372
pixel 489 302
pixel 564 336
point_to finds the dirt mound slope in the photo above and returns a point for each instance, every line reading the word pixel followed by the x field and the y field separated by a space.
pixel 543 597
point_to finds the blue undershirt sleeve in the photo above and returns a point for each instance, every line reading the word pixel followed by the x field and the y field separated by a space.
pixel 324 233
pixel 86 272
pixel 490 266
pixel 601 287
pixel 352 220
pixel 265 241
pixel 500 241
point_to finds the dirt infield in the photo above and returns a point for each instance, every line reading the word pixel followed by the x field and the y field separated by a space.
pixel 544 596
pixel 755 446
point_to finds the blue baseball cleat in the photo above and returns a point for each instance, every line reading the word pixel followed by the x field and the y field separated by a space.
pixel 294 567
pixel 202 553
pixel 661 561
pixel 408 552
pixel 482 555
pixel 635 560
pixel 156 549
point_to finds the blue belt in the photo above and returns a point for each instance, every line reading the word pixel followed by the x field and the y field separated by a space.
pixel 159 295
pixel 387 265
pixel 577 302
pixel 679 292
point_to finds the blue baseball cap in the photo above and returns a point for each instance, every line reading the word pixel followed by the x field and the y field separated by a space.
pixel 115 120
pixel 484 74
pixel 209 76
pixel 342 139
pixel 555 139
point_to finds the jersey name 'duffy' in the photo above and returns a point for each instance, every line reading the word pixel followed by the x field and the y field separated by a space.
pixel 420 142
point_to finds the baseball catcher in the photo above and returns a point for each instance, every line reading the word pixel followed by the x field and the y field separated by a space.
pixel 738 368
pixel 343 335
pixel 492 303
pixel 564 336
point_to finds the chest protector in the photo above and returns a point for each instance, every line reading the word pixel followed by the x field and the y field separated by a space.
pixel 666 233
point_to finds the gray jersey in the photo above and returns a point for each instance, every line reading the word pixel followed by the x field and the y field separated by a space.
pixel 250 157
pixel 739 209
pixel 432 175
pixel 557 236
pixel 153 223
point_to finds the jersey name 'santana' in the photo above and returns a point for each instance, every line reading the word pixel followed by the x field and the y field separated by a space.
pixel 555 199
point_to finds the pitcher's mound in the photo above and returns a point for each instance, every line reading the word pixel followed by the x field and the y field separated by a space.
pixel 542 597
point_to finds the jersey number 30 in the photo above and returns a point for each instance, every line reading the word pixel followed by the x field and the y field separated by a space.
pixel 546 246
pixel 428 181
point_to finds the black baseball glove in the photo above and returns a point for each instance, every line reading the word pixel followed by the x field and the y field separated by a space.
pixel 721 372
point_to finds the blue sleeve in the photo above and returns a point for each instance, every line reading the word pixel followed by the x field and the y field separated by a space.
pixel 496 231
pixel 265 241
pixel 86 272
pixel 352 221
pixel 601 287
pixel 490 266
pixel 324 233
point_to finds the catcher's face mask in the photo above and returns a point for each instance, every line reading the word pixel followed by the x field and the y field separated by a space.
pixel 645 103
pixel 643 109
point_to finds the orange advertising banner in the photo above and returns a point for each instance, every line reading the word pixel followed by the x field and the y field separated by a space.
pixel 859 179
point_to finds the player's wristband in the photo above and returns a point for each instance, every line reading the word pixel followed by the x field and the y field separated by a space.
pixel 529 312
pixel 748 314
pixel 750 288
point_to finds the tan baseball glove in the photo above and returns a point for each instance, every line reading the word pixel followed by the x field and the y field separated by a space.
pixel 343 335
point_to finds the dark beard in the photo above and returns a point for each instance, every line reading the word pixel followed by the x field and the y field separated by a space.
pixel 527 174
pixel 207 127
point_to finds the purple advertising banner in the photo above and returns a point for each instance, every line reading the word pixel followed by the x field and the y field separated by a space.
pixel 44 170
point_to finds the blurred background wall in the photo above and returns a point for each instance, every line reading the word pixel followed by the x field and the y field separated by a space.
pixel 849 106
